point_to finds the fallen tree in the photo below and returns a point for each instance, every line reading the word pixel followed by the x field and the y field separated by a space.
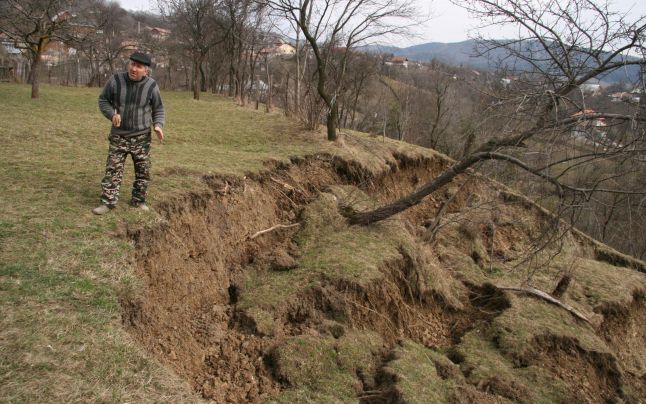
pixel 562 47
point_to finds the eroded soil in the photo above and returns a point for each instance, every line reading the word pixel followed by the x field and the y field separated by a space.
pixel 258 318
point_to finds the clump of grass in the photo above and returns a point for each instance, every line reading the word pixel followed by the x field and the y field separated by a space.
pixel 329 249
pixel 309 364
pixel 490 369
pixel 361 353
pixel 416 379
pixel 503 354
pixel 325 368
pixel 330 246
pixel 517 327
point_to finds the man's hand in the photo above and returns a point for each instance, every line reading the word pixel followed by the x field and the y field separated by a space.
pixel 160 134
pixel 116 120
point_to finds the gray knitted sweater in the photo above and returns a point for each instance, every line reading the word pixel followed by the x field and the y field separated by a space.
pixel 138 102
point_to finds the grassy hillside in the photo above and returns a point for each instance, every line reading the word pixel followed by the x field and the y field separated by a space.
pixel 62 268
pixel 190 302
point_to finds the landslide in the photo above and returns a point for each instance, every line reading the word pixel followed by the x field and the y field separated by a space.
pixel 407 310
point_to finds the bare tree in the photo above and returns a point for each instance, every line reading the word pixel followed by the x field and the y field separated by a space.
pixel 561 46
pixel 32 25
pixel 333 28
pixel 359 78
pixel 100 37
pixel 196 24
pixel 244 21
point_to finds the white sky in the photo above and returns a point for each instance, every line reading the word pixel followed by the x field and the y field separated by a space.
pixel 448 23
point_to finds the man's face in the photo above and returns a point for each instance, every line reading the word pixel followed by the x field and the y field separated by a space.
pixel 136 70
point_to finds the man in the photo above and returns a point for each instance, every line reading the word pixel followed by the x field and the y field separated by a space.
pixel 131 100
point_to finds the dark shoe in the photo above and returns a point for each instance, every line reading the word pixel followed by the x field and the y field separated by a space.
pixel 101 209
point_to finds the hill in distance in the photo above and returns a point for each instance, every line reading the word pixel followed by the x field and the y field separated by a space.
pixel 465 53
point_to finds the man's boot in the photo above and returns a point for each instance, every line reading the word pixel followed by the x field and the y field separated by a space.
pixel 101 209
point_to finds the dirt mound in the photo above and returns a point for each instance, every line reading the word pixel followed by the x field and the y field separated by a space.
pixel 316 310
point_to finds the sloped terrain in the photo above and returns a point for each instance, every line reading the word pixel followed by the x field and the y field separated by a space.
pixel 412 309
pixel 409 310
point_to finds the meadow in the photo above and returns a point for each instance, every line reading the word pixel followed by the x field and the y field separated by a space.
pixel 62 269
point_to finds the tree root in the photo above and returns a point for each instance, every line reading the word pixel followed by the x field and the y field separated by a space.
pixel 272 228
pixel 547 297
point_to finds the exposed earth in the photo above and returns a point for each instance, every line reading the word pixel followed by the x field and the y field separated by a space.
pixel 412 309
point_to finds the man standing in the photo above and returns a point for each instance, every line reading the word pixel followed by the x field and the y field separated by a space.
pixel 131 100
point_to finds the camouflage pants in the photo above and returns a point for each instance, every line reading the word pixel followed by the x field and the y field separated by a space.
pixel 139 148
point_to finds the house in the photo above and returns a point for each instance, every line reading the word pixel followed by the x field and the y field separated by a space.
pixel 158 33
pixel 63 16
pixel 505 81
pixel 616 97
pixel 397 61
pixel 625 97
pixel 590 129
pixel 56 52
pixel 590 88
pixel 9 45
pixel 129 45
pixel 278 48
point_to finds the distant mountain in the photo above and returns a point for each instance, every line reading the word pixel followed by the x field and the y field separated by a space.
pixel 456 53
pixel 465 54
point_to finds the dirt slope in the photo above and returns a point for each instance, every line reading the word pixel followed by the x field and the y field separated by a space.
pixel 408 310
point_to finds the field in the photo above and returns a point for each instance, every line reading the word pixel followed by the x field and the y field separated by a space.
pixel 62 268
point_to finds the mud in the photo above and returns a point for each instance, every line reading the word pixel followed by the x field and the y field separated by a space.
pixel 193 263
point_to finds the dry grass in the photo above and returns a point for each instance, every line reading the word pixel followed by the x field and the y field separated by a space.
pixel 61 268
pixel 329 250
pixel 325 369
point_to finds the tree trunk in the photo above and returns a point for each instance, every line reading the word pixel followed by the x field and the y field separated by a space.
pixel 332 118
pixel 196 80
pixel 287 105
pixel 202 79
pixel 384 212
pixel 268 101
pixel 34 76
pixel 231 81
pixel 297 94
pixel 268 105
pixel 356 101
pixel 169 73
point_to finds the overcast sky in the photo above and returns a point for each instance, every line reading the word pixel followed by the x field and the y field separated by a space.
pixel 448 22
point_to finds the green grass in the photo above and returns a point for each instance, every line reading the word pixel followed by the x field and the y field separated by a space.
pixel 417 379
pixel 487 364
pixel 329 250
pixel 324 369
pixel 62 268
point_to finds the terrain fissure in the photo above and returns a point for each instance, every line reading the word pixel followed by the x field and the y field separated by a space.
pixel 247 283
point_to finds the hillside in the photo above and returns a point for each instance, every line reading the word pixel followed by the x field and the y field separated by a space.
pixel 466 53
pixel 191 301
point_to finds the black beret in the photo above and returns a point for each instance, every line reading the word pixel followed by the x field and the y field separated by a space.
pixel 141 58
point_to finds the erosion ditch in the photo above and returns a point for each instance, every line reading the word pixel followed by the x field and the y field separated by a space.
pixel 234 312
